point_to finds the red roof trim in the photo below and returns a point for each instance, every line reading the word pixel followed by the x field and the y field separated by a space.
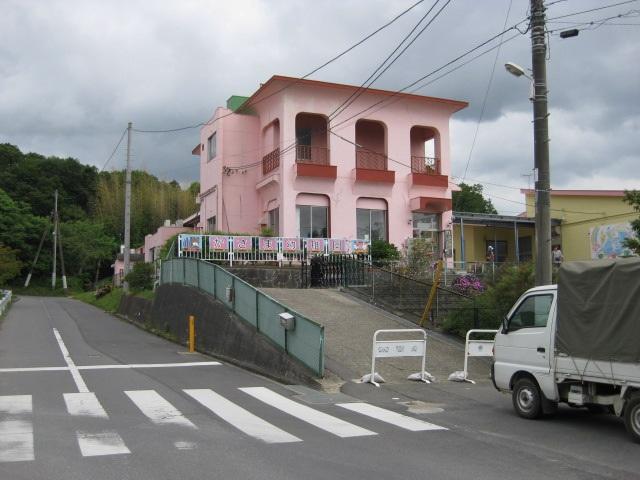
pixel 457 104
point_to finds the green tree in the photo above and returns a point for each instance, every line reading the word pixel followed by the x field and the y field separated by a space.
pixel 471 200
pixel 85 244
pixel 10 266
pixel 632 197
pixel 20 230
pixel 33 179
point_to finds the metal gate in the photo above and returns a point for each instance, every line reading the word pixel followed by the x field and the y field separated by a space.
pixel 331 271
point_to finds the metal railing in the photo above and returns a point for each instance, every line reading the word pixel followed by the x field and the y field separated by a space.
pixel 312 155
pixel 223 248
pixel 305 341
pixel 371 160
pixel 5 300
pixel 271 161
pixel 425 165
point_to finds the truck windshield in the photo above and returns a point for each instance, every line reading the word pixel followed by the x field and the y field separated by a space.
pixel 533 312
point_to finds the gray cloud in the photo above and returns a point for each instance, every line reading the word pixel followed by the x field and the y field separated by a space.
pixel 73 73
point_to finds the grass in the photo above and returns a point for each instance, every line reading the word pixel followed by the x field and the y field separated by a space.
pixel 108 302
pixel 111 300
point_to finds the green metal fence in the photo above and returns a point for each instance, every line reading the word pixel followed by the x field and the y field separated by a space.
pixel 305 342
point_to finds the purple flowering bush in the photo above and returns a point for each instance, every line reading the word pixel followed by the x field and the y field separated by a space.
pixel 468 285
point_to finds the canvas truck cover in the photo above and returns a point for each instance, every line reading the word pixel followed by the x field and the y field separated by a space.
pixel 599 310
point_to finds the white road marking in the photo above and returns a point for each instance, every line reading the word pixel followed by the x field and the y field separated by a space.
pixel 182 445
pixel 316 418
pixel 82 387
pixel 85 404
pixel 388 416
pixel 109 367
pixel 148 365
pixel 33 369
pixel 103 443
pixel 159 410
pixel 16 404
pixel 16 434
pixel 240 418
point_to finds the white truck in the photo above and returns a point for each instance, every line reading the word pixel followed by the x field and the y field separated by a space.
pixel 577 342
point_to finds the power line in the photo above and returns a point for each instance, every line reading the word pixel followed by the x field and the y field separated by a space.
pixel 486 95
pixel 433 72
pixel 593 9
pixel 341 54
pixel 373 77
pixel 114 151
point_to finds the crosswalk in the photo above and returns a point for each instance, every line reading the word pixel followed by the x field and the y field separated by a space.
pixel 17 427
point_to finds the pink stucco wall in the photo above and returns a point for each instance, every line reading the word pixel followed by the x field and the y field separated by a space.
pixel 243 194
pixel 154 242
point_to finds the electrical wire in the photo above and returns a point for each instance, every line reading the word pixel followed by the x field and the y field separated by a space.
pixel 486 94
pixel 592 9
pixel 113 152
pixel 341 54
pixel 373 77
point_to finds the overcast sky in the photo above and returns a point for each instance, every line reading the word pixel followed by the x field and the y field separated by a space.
pixel 73 73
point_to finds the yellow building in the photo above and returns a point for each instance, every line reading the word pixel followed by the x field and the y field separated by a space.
pixel 593 223
pixel 479 238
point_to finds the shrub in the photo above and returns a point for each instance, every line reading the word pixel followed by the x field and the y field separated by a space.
pixel 141 276
pixel 468 285
pixel 494 302
pixel 382 251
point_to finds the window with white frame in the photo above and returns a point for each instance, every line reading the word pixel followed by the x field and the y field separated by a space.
pixel 212 147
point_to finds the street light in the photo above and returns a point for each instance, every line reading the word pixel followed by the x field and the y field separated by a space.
pixel 516 70
pixel 541 163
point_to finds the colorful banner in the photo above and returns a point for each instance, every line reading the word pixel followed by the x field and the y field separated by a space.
pixel 268 244
pixel 190 243
pixel 359 246
pixel 315 245
pixel 607 240
pixel 290 245
pixel 218 243
pixel 242 244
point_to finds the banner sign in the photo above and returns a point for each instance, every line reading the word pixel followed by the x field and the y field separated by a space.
pixel 359 246
pixel 315 245
pixel 268 244
pixel 190 243
pixel 338 246
pixel 218 243
pixel 242 244
pixel 290 245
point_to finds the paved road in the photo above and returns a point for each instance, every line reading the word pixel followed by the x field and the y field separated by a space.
pixel 86 396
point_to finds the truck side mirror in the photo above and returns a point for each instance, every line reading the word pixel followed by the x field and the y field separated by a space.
pixel 505 328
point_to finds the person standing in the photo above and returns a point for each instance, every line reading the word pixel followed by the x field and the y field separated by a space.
pixel 557 257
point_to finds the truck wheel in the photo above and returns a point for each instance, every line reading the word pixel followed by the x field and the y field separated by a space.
pixel 527 398
pixel 632 417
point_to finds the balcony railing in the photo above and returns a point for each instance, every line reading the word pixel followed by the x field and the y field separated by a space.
pixel 271 161
pixel 312 155
pixel 425 165
pixel 371 160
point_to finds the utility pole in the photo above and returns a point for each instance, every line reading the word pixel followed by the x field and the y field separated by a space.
pixel 55 239
pixel 64 274
pixel 541 144
pixel 127 213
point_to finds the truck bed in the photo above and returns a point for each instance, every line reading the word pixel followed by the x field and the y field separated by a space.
pixel 614 373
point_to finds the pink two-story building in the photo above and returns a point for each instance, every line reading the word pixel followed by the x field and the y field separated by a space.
pixel 377 170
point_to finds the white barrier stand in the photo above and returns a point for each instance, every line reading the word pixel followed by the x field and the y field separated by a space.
pixel 5 300
pixel 473 348
pixel 399 348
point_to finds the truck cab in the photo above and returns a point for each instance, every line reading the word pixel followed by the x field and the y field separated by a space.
pixel 524 349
